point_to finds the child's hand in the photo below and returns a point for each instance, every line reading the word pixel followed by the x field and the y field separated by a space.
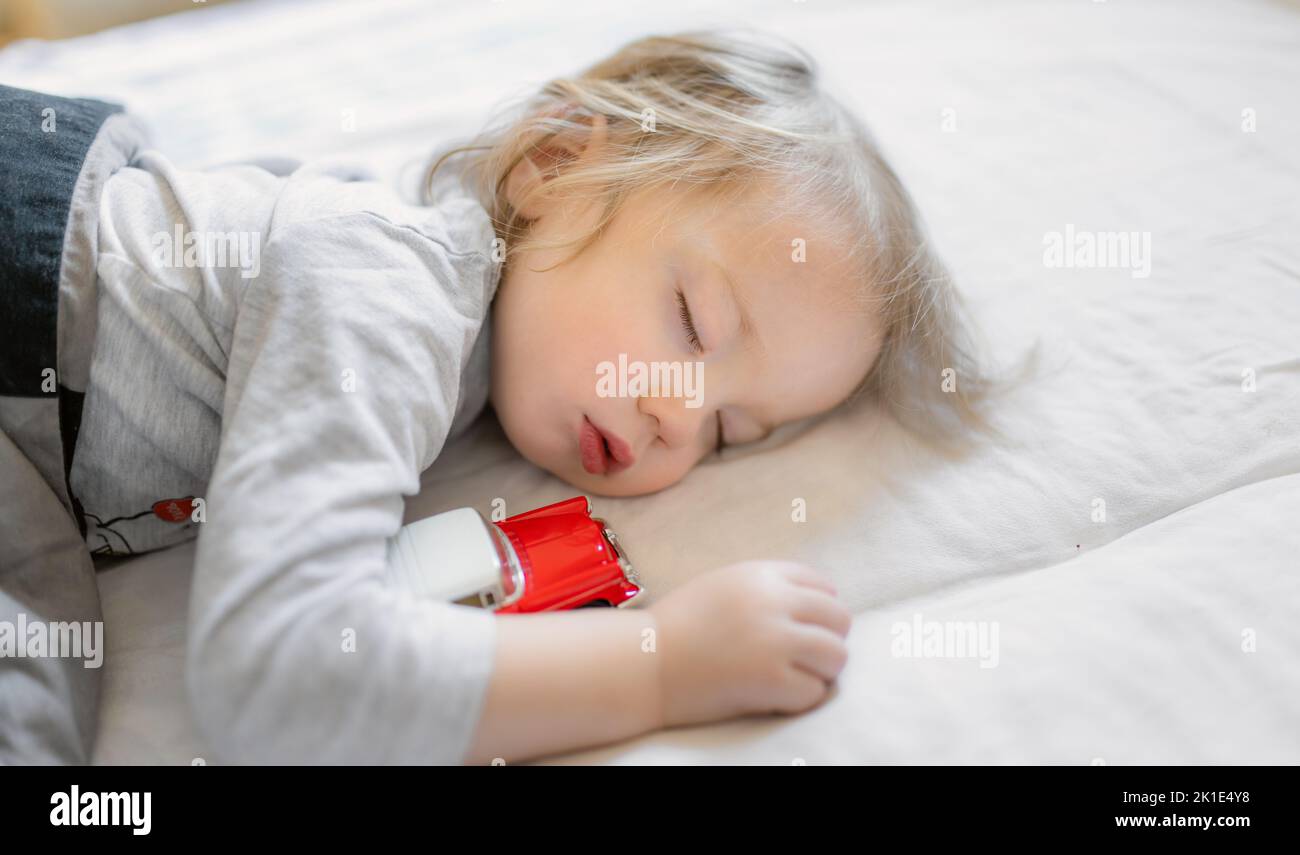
pixel 750 637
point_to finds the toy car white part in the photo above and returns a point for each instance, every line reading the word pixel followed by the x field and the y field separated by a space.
pixel 447 556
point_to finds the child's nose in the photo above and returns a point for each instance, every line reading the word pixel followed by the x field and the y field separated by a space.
pixel 678 425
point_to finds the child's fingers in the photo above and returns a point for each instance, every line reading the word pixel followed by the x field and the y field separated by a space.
pixel 815 607
pixel 804 575
pixel 820 652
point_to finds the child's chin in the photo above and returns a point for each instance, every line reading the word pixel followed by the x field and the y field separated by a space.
pixel 616 487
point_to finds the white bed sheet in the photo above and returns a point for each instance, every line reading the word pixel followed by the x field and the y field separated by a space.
pixel 1120 640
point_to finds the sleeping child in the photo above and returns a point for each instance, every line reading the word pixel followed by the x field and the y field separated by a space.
pixel 266 355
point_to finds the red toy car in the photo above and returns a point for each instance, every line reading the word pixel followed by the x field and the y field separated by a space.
pixel 552 558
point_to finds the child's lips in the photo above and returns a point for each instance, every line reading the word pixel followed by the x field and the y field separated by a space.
pixel 602 453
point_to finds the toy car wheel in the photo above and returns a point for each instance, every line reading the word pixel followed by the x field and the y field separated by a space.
pixel 595 604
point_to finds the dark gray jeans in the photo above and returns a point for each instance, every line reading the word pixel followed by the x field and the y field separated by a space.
pixel 48 703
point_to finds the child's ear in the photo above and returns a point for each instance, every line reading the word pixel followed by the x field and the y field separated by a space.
pixel 545 161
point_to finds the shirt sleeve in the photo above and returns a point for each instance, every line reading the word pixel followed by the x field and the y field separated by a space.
pixel 341 388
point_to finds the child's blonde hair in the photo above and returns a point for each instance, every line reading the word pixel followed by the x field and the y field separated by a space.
pixel 718 112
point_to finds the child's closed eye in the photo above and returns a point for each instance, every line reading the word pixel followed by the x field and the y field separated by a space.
pixel 688 324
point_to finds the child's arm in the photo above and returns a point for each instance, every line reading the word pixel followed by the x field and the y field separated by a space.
pixel 342 383
pixel 568 680
pixel 751 637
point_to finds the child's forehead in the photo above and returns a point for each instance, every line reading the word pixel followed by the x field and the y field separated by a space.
pixel 767 221
pixel 786 264
pixel 756 238
pixel 786 242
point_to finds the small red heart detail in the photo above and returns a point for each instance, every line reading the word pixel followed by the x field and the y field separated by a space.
pixel 174 510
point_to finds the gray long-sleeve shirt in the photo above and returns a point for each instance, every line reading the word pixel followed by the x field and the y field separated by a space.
pixel 300 404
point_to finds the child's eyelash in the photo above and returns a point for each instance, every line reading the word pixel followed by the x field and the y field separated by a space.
pixel 687 324
pixel 694 338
